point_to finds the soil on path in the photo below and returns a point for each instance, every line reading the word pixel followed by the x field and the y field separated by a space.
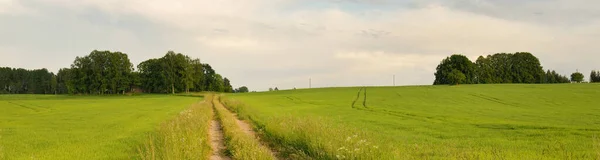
pixel 216 141
pixel 247 128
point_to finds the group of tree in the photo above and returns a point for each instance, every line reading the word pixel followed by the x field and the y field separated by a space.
pixel 553 77
pixel 242 89
pixel 595 77
pixel 100 72
pixel 105 72
pixel 176 72
pixel 21 81
pixel 520 67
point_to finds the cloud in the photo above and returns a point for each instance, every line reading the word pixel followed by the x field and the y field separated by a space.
pixel 12 7
pixel 269 43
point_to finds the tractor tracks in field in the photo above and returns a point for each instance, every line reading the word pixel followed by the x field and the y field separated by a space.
pixel 28 106
pixel 364 91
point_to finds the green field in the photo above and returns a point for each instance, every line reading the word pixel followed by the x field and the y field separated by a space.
pixel 411 122
pixel 430 122
pixel 82 127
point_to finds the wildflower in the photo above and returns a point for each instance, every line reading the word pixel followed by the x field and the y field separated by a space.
pixel 362 141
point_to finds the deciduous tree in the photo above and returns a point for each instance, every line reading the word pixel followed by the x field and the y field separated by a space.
pixel 577 77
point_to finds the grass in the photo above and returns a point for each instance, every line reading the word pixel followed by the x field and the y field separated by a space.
pixel 239 144
pixel 184 137
pixel 430 122
pixel 81 127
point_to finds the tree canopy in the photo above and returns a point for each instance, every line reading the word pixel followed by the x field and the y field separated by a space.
pixel 456 77
pixel 595 77
pixel 22 81
pixel 100 72
pixel 106 72
pixel 461 64
pixel 577 77
pixel 520 67
pixel 176 72
pixel 242 89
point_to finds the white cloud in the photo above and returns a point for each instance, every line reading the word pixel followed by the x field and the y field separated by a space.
pixel 267 43
pixel 13 7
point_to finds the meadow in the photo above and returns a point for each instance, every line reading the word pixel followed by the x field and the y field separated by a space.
pixel 509 121
pixel 82 127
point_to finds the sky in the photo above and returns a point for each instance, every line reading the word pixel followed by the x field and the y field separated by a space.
pixel 284 43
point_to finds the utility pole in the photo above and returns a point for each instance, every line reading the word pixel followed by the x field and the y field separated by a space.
pixel 309 83
pixel 394 80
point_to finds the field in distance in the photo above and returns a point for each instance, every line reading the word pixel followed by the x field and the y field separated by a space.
pixel 81 127
pixel 429 122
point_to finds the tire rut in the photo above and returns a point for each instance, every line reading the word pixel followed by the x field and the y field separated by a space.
pixel 217 141
pixel 248 129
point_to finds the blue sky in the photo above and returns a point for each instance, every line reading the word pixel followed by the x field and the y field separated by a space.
pixel 283 43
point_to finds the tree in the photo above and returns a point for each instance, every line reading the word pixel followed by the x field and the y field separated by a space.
pixel 198 75
pixel 135 81
pixel 106 72
pixel 152 77
pixel 526 68
pixel 227 85
pixel 456 62
pixel 53 84
pixel 209 77
pixel 270 89
pixel 520 67
pixel 595 77
pixel 175 71
pixel 276 89
pixel 456 77
pixel 577 77
pixel 242 89
pixel 218 85
pixel 100 72
pixel 485 70
pixel 5 79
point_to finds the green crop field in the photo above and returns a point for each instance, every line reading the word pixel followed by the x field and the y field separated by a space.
pixel 508 121
pixel 429 122
pixel 81 127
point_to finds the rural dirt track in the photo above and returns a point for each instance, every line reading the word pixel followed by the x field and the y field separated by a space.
pixel 247 128
pixel 217 142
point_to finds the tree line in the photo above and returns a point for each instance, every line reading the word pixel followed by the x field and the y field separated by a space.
pixel 106 72
pixel 520 67
pixel 19 81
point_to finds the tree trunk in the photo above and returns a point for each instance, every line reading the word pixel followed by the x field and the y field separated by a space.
pixel 173 88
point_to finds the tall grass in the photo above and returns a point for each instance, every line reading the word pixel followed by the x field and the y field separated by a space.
pixel 597 146
pixel 239 144
pixel 1 149
pixel 315 138
pixel 184 137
